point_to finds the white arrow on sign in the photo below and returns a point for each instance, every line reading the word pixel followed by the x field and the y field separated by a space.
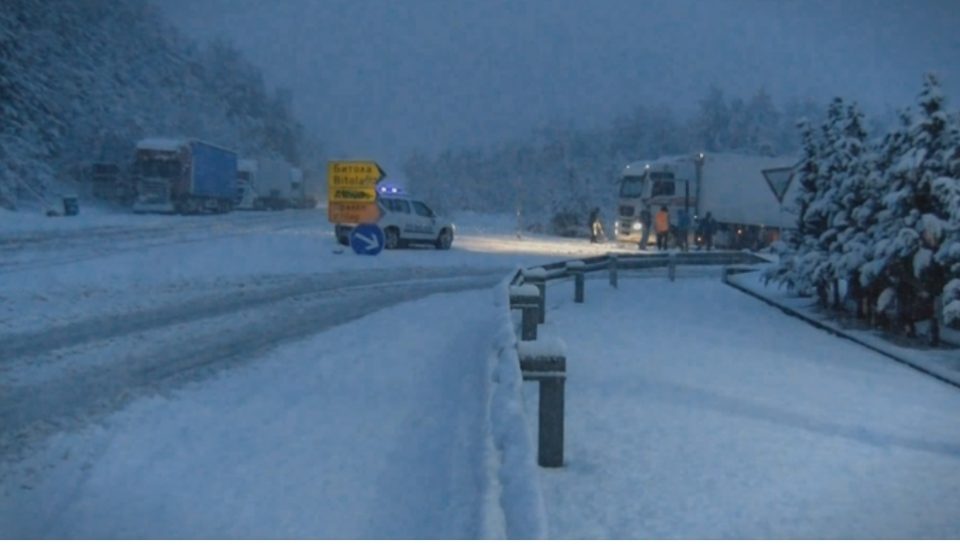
pixel 372 241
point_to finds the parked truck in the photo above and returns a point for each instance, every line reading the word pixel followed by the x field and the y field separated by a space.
pixel 298 193
pixel 184 176
pixel 738 190
pixel 246 191
pixel 264 184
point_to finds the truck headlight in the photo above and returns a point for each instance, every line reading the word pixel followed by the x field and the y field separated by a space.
pixel 637 226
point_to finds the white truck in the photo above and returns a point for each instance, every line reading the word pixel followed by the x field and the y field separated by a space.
pixel 300 196
pixel 738 190
pixel 264 184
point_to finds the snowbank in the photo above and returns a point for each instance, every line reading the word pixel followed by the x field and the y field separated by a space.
pixel 521 499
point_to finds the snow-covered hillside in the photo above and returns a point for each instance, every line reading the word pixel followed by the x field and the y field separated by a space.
pixel 83 81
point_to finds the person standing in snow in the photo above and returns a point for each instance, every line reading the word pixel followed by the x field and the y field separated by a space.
pixel 596 227
pixel 662 226
pixel 707 227
pixel 683 228
pixel 646 219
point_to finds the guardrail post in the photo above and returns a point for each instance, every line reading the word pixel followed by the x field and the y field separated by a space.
pixel 526 298
pixel 546 363
pixel 672 266
pixel 538 277
pixel 612 264
pixel 577 269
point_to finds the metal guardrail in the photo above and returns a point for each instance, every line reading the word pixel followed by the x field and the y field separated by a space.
pixel 558 270
pixel 544 361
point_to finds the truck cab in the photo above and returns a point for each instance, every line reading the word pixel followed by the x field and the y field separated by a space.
pixel 652 184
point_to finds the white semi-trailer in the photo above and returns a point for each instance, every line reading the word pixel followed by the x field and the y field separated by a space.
pixel 736 189
pixel 264 184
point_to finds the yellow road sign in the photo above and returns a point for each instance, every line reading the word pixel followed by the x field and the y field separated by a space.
pixel 353 213
pixel 340 194
pixel 352 191
pixel 353 174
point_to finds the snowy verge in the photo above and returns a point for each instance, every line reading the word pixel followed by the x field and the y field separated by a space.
pixel 938 363
pixel 520 497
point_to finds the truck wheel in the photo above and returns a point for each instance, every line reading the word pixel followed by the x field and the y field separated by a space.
pixel 391 238
pixel 444 240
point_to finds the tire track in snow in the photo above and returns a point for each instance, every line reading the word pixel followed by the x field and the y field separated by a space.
pixel 127 365
pixel 135 239
pixel 22 345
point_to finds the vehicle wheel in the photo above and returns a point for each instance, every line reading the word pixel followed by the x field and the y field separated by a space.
pixel 444 240
pixel 391 238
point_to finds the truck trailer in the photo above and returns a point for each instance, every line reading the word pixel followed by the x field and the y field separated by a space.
pixel 184 176
pixel 265 184
pixel 736 189
pixel 299 196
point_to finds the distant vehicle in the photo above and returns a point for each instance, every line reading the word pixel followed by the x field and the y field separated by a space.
pixel 246 193
pixel 272 184
pixel 730 186
pixel 184 176
pixel 405 221
pixel 299 196
pixel 266 184
pixel 110 183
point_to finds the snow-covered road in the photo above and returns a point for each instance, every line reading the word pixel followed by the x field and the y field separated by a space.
pixel 121 306
pixel 373 429
pixel 71 375
pixel 267 384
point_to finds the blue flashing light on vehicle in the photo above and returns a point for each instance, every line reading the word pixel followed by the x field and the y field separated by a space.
pixel 390 191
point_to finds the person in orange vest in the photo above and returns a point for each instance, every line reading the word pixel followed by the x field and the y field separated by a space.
pixel 662 226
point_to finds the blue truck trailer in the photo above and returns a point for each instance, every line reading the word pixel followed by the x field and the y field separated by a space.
pixel 184 176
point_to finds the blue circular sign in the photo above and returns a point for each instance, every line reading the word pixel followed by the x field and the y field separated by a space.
pixel 367 239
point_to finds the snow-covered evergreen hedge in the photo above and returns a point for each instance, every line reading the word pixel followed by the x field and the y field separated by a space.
pixel 880 220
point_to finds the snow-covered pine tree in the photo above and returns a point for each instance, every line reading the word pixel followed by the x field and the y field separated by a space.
pixel 881 179
pixel 712 123
pixel 819 229
pixel 918 210
pixel 763 122
pixel 858 204
pixel 947 190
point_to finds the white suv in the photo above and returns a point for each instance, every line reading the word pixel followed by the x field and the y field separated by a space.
pixel 405 221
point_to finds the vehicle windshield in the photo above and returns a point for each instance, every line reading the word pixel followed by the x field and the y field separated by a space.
pixel 663 184
pixel 157 167
pixel 632 186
